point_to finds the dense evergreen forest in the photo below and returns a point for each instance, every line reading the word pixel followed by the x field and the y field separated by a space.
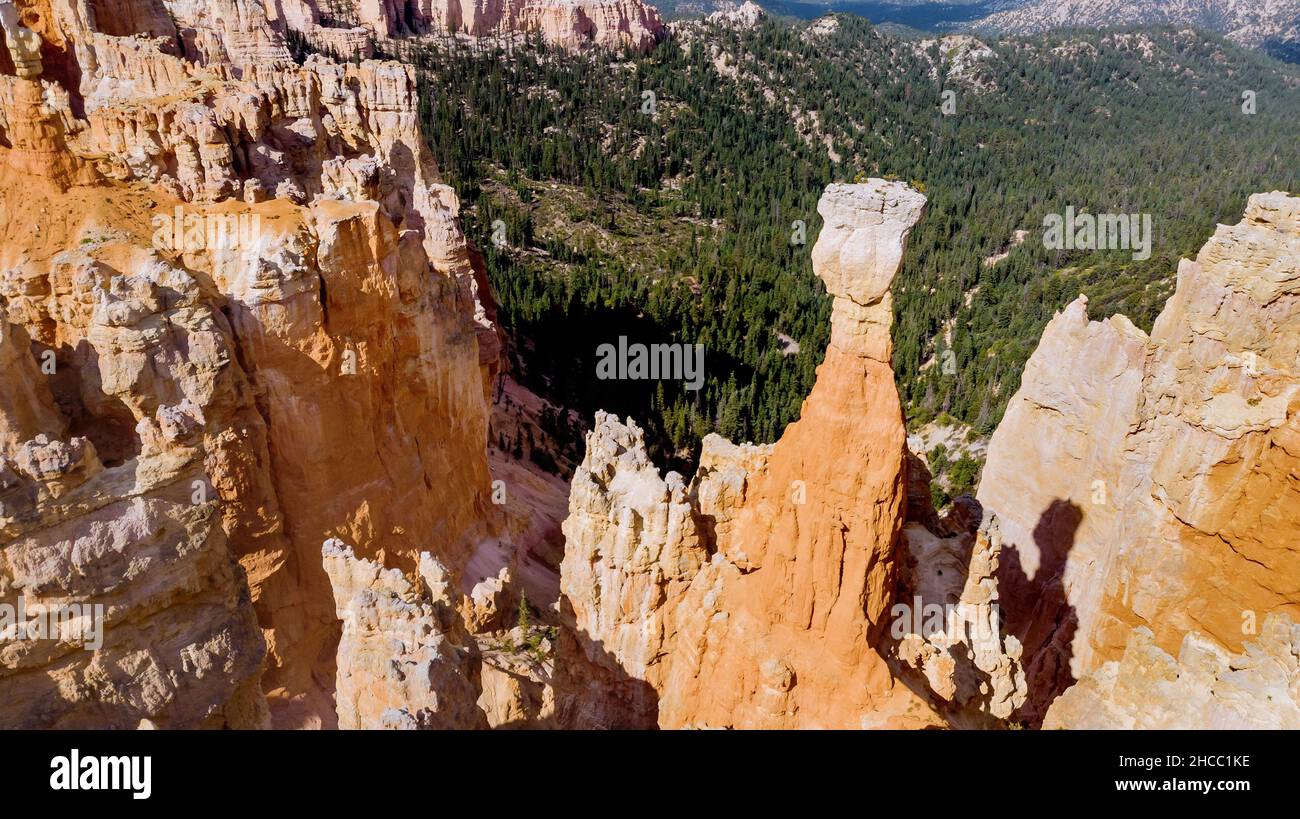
pixel 655 197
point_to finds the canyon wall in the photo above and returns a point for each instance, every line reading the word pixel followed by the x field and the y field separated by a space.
pixel 245 364
pixel 262 329
pixel 1154 482
pixel 569 24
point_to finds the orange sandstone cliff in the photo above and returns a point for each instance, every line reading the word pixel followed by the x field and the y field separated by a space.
pixel 257 315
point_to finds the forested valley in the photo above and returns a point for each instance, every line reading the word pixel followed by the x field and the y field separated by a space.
pixel 672 197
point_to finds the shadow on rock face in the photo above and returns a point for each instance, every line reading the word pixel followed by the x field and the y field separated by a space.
pixel 1037 610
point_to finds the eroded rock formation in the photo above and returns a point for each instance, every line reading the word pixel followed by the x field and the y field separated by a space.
pixel 758 595
pixel 1142 492
pixel 571 24
pixel 241 318
pixel 951 628
pixel 1154 482
pixel 398 666
pixel 245 365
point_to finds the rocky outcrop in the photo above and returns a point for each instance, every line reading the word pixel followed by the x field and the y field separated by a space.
pixel 571 24
pixel 949 625
pixel 411 656
pixel 757 595
pixel 632 550
pixel 397 666
pixel 260 328
pixel 1142 491
pixel 960 60
pixel 1154 482
pixel 119 424
pixel 235 33
pixel 22 44
pixel 746 15
pixel 123 423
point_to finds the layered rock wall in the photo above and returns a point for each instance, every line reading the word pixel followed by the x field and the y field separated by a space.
pixel 124 421
pixel 570 24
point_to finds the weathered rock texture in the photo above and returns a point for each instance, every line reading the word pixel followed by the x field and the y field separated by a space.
pixel 571 24
pixel 1155 482
pixel 263 328
pixel 1204 688
pixel 744 16
pixel 951 628
pixel 239 320
pixel 756 596
pixel 409 657
pixel 398 668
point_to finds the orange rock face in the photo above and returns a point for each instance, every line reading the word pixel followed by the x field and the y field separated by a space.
pixel 245 358
pixel 757 597
pixel 263 330
pixel 124 420
pixel 783 629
